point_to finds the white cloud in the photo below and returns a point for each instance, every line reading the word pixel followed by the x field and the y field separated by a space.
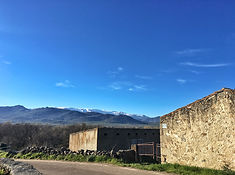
pixel 205 65
pixel 65 84
pixel 115 86
pixel 120 68
pixel 140 87
pixel 6 62
pixel 190 52
pixel 118 85
pixel 181 81
pixel 195 72
pixel 144 77
pixel 116 72
pixel 130 89
pixel 126 85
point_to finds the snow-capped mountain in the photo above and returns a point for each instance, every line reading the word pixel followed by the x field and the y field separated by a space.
pixel 102 111
pixel 142 118
pixel 52 115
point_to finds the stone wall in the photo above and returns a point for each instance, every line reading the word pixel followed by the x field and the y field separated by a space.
pixel 201 133
pixel 86 140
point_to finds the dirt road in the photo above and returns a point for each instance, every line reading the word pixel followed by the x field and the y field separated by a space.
pixel 49 167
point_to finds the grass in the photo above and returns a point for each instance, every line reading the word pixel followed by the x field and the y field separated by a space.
pixel 170 168
pixel 2 172
pixel 3 154
pixel 181 169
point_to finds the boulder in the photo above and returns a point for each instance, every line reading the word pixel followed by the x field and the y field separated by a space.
pixel 18 168
pixel 126 155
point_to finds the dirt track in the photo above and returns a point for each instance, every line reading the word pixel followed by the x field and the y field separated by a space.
pixel 48 167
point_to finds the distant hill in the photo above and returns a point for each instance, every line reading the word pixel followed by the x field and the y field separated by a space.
pixel 143 118
pixel 51 115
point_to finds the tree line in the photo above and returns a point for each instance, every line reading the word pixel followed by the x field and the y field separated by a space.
pixel 19 136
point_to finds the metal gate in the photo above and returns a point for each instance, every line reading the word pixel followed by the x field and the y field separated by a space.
pixel 150 149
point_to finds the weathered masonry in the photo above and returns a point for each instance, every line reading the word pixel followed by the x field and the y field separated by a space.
pixel 201 133
pixel 111 138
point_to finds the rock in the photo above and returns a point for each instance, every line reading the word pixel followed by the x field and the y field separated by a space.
pixel 18 168
pixel 11 153
pixel 126 155
pixel 3 145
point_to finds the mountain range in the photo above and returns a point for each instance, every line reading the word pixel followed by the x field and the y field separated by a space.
pixel 54 115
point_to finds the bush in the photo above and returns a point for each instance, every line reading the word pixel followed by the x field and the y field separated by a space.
pixel 19 136
pixel 91 158
pixel 102 158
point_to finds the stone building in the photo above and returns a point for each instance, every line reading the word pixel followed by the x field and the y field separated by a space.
pixel 201 133
pixel 111 138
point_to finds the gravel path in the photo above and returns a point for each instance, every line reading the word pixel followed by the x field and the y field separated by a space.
pixel 51 167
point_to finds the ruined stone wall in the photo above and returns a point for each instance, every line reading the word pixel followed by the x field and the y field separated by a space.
pixel 86 140
pixel 202 133
pixel 122 138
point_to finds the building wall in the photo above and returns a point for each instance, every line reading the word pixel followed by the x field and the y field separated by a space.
pixel 111 138
pixel 122 138
pixel 202 133
pixel 86 140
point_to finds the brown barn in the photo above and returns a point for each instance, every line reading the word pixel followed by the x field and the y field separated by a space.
pixel 111 138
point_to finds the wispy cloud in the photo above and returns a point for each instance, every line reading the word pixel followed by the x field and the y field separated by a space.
pixel 205 65
pixel 181 81
pixel 6 62
pixel 144 77
pixel 120 68
pixel 65 84
pixel 3 61
pixel 190 52
pixel 118 85
pixel 126 85
pixel 139 88
pixel 195 72
pixel 116 72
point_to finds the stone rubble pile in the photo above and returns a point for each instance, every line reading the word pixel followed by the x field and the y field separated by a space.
pixel 18 168
pixel 4 146
pixel 126 155
pixel 46 150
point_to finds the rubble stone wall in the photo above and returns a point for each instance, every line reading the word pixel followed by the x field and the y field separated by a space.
pixel 201 133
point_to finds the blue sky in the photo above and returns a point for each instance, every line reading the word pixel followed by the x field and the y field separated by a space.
pixel 145 57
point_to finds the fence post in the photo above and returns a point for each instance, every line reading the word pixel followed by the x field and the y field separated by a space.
pixel 154 151
pixel 135 148
pixel 158 153
pixel 137 153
